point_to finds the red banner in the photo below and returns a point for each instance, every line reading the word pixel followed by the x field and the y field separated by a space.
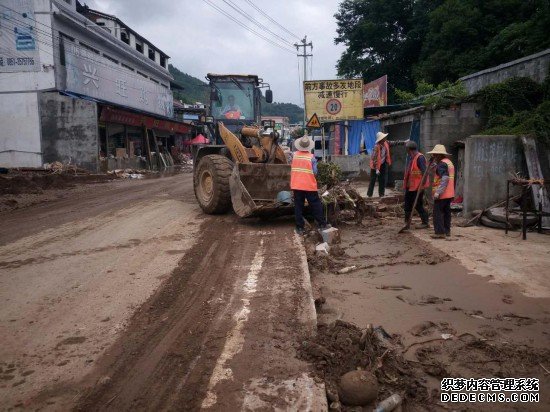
pixel 110 115
pixel 375 93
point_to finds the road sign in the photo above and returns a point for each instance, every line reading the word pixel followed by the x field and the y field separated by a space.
pixel 314 122
pixel 334 99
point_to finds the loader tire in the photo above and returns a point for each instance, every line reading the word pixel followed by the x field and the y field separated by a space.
pixel 211 184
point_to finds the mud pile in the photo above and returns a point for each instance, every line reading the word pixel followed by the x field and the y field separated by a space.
pixel 37 182
pixel 342 347
pixel 415 371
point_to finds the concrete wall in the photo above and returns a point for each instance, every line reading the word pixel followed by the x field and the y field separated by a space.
pixel 20 130
pixel 69 130
pixel 489 161
pixel 534 66
pixel 446 126
pixel 355 166
pixel 441 126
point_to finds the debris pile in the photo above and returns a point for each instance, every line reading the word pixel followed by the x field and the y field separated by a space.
pixel 341 348
pixel 59 168
pixel 344 204
pixel 129 173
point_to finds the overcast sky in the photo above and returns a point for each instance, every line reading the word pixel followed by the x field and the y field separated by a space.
pixel 200 39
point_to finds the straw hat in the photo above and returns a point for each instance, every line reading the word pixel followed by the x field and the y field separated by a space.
pixel 304 143
pixel 381 136
pixel 440 150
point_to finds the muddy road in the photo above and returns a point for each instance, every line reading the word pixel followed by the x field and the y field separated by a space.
pixel 74 270
pixel 126 297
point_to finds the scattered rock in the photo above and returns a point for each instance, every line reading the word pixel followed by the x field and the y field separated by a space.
pixel 105 380
pixel 331 235
pixel 358 388
pixel 422 329
pixel 322 248
pixel 73 340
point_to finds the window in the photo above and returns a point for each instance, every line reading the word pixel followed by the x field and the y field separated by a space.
pixel 65 37
pixel 110 58
pixel 164 85
pixel 163 60
pixel 127 67
pixel 142 74
pixel 153 80
pixel 139 47
pixel 124 37
pixel 152 54
pixel 90 48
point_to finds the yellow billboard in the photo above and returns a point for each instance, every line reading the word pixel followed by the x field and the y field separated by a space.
pixel 334 99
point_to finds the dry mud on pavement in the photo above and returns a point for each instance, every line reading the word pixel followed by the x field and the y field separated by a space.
pixel 73 271
pixel 502 258
pixel 441 320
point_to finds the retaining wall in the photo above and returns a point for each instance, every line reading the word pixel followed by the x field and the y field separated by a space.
pixel 489 162
pixel 535 66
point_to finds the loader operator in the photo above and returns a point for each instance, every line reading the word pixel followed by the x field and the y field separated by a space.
pixel 232 110
pixel 304 184
pixel 415 167
pixel 443 190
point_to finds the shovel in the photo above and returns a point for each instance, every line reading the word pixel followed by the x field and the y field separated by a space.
pixel 408 223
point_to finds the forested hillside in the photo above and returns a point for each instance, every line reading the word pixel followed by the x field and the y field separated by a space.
pixel 436 40
pixel 197 91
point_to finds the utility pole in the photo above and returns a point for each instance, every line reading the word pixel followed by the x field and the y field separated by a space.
pixel 305 55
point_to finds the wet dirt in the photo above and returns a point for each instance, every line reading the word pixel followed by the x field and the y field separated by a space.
pixel 23 189
pixel 74 270
pixel 218 334
pixel 443 320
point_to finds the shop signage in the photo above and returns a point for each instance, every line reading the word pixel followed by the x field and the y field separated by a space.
pixel 111 115
pixel 93 75
pixel 375 93
pixel 18 41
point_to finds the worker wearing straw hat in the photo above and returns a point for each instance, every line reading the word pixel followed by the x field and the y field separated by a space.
pixel 304 184
pixel 443 190
pixel 379 161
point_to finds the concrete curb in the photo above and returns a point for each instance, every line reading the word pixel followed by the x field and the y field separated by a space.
pixel 309 314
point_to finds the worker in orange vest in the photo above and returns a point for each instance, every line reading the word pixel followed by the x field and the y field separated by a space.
pixel 380 159
pixel 415 167
pixel 443 190
pixel 304 184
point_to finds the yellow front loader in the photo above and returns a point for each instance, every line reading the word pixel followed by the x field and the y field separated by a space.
pixel 246 167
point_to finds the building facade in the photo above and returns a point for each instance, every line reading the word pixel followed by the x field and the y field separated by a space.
pixel 81 87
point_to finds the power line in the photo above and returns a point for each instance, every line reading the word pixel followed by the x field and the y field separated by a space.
pixel 246 27
pixel 45 40
pixel 271 19
pixel 97 75
pixel 254 21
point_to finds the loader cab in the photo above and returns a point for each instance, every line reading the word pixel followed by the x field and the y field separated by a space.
pixel 236 99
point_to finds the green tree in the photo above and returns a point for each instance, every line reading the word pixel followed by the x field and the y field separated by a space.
pixel 382 37
pixel 436 41
pixel 469 35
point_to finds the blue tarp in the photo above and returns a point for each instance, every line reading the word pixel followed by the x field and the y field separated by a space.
pixel 359 132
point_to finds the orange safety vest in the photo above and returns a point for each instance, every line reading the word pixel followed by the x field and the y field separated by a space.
pixel 449 192
pixel 301 172
pixel 413 175
pixel 376 155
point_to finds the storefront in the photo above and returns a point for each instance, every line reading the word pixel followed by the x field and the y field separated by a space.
pixel 137 141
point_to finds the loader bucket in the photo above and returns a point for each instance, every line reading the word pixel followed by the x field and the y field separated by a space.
pixel 255 186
